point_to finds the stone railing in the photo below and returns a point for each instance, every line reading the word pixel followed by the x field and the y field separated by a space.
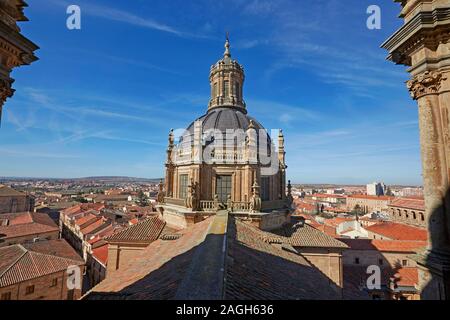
pixel 208 205
pixel 240 206
pixel 174 201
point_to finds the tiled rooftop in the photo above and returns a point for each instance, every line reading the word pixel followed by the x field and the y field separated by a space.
pixel 385 245
pixel 255 269
pixel 259 270
pixel 20 263
pixel 6 191
pixel 26 223
pixel 398 231
pixel 299 235
pixel 146 231
pixel 414 204
pixel 158 270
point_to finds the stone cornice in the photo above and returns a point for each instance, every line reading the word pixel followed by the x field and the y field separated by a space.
pixel 416 32
pixel 424 84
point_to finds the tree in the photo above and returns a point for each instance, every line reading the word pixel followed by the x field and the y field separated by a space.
pixel 389 192
pixel 143 201
pixel 357 210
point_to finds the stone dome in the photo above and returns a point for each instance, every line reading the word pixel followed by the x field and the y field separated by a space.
pixel 224 118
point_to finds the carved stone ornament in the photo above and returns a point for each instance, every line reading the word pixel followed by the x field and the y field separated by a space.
pixel 425 83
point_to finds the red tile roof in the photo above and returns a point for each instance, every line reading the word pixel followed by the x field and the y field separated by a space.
pixel 415 204
pixel 258 270
pixel 101 254
pixel 334 222
pixel 86 220
pixel 20 264
pixel 364 196
pixel 82 208
pixel 6 191
pixel 146 231
pixel 98 225
pixel 406 277
pixel 27 223
pixel 385 245
pixel 398 231
pixel 157 271
pixel 306 236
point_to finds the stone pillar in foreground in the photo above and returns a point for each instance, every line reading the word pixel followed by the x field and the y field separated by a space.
pixel 423 45
pixel 15 49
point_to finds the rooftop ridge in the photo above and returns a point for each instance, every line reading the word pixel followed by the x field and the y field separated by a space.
pixel 20 257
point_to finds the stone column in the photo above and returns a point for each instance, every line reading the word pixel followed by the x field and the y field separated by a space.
pixel 425 89
pixel 422 43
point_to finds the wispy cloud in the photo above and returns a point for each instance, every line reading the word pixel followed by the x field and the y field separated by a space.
pixel 20 152
pixel 130 18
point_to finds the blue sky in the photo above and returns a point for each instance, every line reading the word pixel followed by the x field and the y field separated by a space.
pixel 101 100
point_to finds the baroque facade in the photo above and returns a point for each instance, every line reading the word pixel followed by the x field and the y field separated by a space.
pixel 422 44
pixel 15 49
pixel 225 160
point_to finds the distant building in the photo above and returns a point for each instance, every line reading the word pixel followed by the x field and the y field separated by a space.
pixel 24 227
pixel 409 211
pixel 12 201
pixel 39 271
pixel 128 242
pixel 367 203
pixel 399 273
pixel 396 231
pixel 235 200
pixel 376 189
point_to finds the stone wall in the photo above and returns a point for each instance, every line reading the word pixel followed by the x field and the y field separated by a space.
pixel 54 235
pixel 43 289
pixel 13 204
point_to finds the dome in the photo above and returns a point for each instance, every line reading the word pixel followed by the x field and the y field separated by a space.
pixel 224 118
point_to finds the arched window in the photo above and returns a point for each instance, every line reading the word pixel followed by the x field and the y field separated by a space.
pixel 422 217
pixel 414 215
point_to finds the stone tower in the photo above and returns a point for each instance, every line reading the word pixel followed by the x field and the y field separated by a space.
pixel 422 44
pixel 225 159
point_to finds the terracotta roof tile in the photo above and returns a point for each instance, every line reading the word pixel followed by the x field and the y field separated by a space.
pixel 20 264
pixel 259 270
pixel 364 196
pixel 406 277
pixel 398 231
pixel 415 204
pixel 307 236
pixel 158 270
pixel 6 191
pixel 147 230
pixel 27 223
pixel 385 245
pixel 101 254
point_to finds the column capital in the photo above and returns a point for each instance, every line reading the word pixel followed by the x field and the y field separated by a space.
pixel 426 83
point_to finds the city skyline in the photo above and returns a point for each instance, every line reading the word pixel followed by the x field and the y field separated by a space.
pixel 109 107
